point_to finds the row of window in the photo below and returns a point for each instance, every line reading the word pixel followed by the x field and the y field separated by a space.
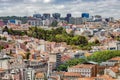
pixel 79 70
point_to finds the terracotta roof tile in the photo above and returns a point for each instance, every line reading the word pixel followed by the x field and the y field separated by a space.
pixel 115 58
pixel 83 66
pixel 72 74
pixel 39 75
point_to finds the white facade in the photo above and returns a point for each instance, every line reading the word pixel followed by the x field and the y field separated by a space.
pixel 110 72
pixel 29 74
pixel 7 63
pixel 4 64
pixel 107 63
pixel 87 72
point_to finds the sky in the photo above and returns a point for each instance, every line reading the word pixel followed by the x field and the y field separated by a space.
pixel 106 8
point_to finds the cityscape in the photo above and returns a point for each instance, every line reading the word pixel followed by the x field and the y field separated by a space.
pixel 45 45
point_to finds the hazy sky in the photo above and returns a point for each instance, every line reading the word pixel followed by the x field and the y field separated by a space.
pixel 105 8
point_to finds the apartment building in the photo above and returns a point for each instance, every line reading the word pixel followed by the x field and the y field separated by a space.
pixel 86 70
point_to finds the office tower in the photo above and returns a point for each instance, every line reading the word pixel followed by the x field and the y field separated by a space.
pixel 13 21
pixel 46 16
pixel 37 15
pixel 35 22
pixel 55 58
pixel 97 18
pixel 54 62
pixel 56 15
pixel 85 15
pixel 76 21
pixel 68 17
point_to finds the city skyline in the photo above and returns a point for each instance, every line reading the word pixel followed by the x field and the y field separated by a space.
pixel 106 8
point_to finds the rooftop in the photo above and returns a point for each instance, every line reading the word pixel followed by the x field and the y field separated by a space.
pixel 39 75
pixel 115 58
pixel 83 66
pixel 72 74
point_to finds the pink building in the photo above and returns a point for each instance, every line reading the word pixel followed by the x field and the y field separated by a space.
pixel 1 23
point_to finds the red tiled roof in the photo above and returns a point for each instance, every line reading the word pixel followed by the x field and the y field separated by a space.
pixel 72 74
pixel 65 58
pixel 115 58
pixel 83 66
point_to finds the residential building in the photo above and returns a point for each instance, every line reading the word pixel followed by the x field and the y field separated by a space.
pixel 17 22
pixel 97 18
pixel 86 70
pixel 29 74
pixel 11 63
pixel 2 72
pixel 47 22
pixel 111 62
pixel 113 45
pixel 79 54
pixel 1 23
pixel 39 76
pixel 35 22
pixel 37 15
pixel 103 77
pixel 71 76
pixel 76 21
pixel 16 74
pixel 118 45
pixel 38 65
pixel 114 71
pixel 55 58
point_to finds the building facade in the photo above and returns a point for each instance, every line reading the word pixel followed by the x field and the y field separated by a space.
pixel 86 70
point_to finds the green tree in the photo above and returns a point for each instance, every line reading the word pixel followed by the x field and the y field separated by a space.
pixel 79 40
pixel 71 34
pixel 54 23
pixel 103 55
pixel 72 62
pixel 60 38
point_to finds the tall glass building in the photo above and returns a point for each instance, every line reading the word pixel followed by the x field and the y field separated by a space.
pixel 85 15
pixel 56 15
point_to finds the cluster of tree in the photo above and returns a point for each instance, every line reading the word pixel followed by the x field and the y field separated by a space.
pixel 14 32
pixel 23 19
pixel 72 62
pixel 54 23
pixel 96 57
pixel 56 35
pixel 104 55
